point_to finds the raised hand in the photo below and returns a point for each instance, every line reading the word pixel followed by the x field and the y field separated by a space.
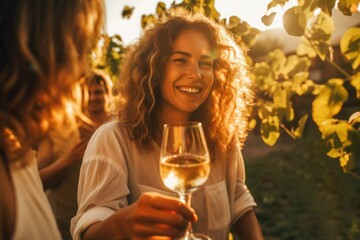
pixel 76 153
pixel 152 216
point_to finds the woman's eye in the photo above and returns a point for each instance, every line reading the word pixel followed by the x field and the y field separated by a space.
pixel 206 64
pixel 180 60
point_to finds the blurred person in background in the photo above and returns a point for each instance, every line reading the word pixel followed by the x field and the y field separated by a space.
pixel 61 151
pixel 97 102
pixel 43 52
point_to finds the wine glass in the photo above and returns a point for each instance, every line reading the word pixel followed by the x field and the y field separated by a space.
pixel 184 163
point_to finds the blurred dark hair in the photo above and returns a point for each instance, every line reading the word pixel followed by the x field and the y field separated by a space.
pixel 43 51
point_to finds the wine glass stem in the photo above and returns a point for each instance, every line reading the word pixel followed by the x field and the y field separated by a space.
pixel 186 198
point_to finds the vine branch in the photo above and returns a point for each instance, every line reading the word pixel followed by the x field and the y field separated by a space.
pixel 288 131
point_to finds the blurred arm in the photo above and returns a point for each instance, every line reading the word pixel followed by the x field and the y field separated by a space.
pixel 53 171
pixel 247 227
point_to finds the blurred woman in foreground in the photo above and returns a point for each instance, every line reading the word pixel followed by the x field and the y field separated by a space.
pixel 43 49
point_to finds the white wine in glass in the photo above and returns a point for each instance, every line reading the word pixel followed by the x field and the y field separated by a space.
pixel 184 163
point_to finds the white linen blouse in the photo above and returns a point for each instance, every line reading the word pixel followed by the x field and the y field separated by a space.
pixel 116 171
pixel 34 218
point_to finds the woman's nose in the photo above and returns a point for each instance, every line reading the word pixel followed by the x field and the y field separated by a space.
pixel 194 71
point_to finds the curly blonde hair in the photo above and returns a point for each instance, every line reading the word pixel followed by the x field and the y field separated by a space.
pixel 225 112
pixel 44 46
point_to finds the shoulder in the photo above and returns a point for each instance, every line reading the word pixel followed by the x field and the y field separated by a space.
pixel 111 128
pixel 110 134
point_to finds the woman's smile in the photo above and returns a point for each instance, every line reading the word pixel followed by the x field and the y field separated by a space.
pixel 189 90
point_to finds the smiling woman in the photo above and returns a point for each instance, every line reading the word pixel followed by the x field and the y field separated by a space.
pixel 184 68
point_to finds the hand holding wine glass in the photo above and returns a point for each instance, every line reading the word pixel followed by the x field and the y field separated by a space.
pixel 184 162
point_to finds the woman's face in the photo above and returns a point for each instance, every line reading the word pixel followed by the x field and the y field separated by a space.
pixel 189 74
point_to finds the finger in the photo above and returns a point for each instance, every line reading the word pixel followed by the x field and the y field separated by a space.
pixel 153 238
pixel 162 202
pixel 148 215
pixel 157 231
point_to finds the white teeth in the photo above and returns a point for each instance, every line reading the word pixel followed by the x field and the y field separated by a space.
pixel 189 90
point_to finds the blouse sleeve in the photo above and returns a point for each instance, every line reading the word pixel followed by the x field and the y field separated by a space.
pixel 243 200
pixel 103 187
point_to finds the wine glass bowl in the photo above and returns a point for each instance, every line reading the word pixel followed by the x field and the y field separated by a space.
pixel 184 173
pixel 184 162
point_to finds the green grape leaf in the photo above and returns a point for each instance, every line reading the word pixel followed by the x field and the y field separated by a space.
pixel 244 33
pixel 336 132
pixel 326 6
pixel 298 83
pixel 210 10
pixel 350 46
pixel 320 32
pixel 205 7
pixel 252 123
pixel 301 77
pixel 329 101
pixel 290 113
pixel 353 150
pixel 127 12
pixel 267 20
pixel 323 49
pixel 160 8
pixel 295 65
pixel 355 82
pixel 294 21
pixel 343 141
pixel 334 153
pixel 301 125
pixel 233 21
pixel 263 75
pixel 308 87
pixel 250 37
pixel 345 6
pixel 322 27
pixel 264 111
pixel 280 97
pixel 319 35
pixel 277 60
pixel 291 63
pixel 347 162
pixel 147 20
pixel 270 130
pixel 275 3
pixel 287 112
pixel 308 7
pixel 305 49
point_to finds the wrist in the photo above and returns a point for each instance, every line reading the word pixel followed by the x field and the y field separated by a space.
pixel 64 163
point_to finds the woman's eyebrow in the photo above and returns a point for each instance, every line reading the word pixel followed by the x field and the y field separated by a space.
pixel 205 56
pixel 181 52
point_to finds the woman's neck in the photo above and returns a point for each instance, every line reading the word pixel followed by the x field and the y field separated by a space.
pixel 166 115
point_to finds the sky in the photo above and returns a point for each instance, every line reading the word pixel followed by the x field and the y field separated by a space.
pixel 250 11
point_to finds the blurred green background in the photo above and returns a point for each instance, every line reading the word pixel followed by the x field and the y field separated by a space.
pixel 301 193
